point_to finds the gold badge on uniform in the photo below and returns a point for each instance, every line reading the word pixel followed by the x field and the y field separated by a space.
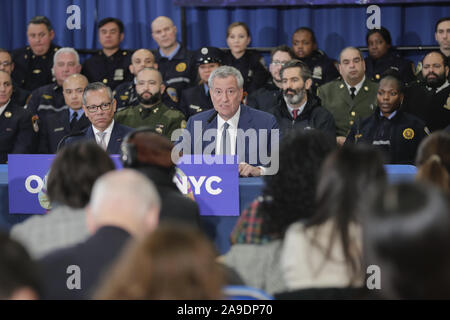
pixel 123 98
pixel 8 114
pixel 183 124
pixel 181 67
pixel 105 81
pixel 155 110
pixel 341 86
pixel 377 76
pixel 408 133
pixel 118 75
pixel 447 104
pixel 36 71
pixel 366 88
pixel 159 128
pixel 47 97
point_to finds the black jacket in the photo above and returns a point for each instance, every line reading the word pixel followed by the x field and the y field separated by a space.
pixel 174 205
pixel 265 98
pixel 398 138
pixel 375 68
pixel 195 100
pixel 314 116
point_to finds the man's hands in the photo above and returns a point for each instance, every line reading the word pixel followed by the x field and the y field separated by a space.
pixel 246 170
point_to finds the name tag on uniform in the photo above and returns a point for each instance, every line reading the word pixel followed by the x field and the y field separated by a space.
pixel 118 75
pixel 58 129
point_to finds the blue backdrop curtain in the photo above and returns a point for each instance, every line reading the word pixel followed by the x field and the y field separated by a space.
pixel 335 27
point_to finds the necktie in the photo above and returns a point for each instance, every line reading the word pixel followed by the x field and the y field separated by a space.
pixel 226 144
pixel 102 142
pixel 73 121
pixel 295 113
pixel 352 94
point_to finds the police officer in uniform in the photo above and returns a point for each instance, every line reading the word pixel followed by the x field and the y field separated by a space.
pixel 175 62
pixel 395 132
pixel 429 99
pixel 111 64
pixel 16 133
pixel 49 99
pixel 304 46
pixel 151 112
pixel 69 121
pixel 19 96
pixel 197 99
pixel 266 98
pixel 352 97
pixel 442 36
pixel 33 63
pixel 382 57
pixel 299 108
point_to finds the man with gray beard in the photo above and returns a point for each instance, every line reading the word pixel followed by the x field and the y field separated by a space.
pixel 298 107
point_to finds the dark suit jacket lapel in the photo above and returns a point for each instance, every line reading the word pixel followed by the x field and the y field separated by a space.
pixel 245 123
pixel 213 126
pixel 64 120
pixel 115 140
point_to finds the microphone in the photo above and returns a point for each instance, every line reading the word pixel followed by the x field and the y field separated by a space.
pixel 212 117
pixel 60 144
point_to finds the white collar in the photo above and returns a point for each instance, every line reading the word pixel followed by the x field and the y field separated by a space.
pixel 300 110
pixel 107 130
pixel 357 87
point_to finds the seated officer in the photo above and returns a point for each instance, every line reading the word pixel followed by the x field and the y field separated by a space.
pixel 110 65
pixel 396 133
pixel 19 96
pixel 430 99
pixel 175 62
pixel 304 46
pixel 352 97
pixel 125 93
pixel 71 120
pixel 197 99
pixel 382 57
pixel 16 132
pixel 442 36
pixel 266 97
pixel 49 99
pixel 151 112
pixel 33 64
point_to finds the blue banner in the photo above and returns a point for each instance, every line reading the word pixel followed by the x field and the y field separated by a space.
pixel 27 181
pixel 212 181
pixel 262 3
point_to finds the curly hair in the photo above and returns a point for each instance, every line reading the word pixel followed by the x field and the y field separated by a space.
pixel 290 195
pixel 74 171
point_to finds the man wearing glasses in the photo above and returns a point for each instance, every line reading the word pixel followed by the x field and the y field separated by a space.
pixel 266 98
pixel 99 106
pixel 19 96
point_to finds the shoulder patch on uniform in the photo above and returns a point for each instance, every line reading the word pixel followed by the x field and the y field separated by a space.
pixel 447 104
pixel 172 94
pixel 408 133
pixel 123 98
pixel 181 67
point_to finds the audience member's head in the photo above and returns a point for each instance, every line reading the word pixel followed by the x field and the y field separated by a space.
pixel 378 41
pixel 238 38
pixel 124 199
pixel 290 194
pixel 6 87
pixel 303 42
pixel 6 63
pixel 433 160
pixel 278 58
pixel 164 32
pixel 99 105
pixel 40 35
pixel 110 33
pixel 435 69
pixel 73 173
pixel 65 63
pixel 348 178
pixel 73 88
pixel 390 94
pixel 442 34
pixel 19 276
pixel 173 262
pixel 407 235
pixel 142 58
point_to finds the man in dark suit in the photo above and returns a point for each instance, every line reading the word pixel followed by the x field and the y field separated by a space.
pixel 16 130
pixel 72 120
pixel 124 204
pixel 99 106
pixel 237 129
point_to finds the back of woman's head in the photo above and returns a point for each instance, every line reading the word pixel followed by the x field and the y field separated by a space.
pixel 407 235
pixel 174 262
pixel 433 160
pixel 74 171
pixel 348 179
pixel 290 194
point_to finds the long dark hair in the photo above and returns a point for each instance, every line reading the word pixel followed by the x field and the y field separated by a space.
pixel 349 177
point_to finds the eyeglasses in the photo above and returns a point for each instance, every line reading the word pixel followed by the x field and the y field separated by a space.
pixel 104 106
pixel 5 63
pixel 279 63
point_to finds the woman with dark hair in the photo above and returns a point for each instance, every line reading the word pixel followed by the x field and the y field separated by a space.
pixel 72 175
pixel 433 160
pixel 325 250
pixel 172 263
pixel 249 63
pixel 288 197
pixel 407 237
pixel 383 57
